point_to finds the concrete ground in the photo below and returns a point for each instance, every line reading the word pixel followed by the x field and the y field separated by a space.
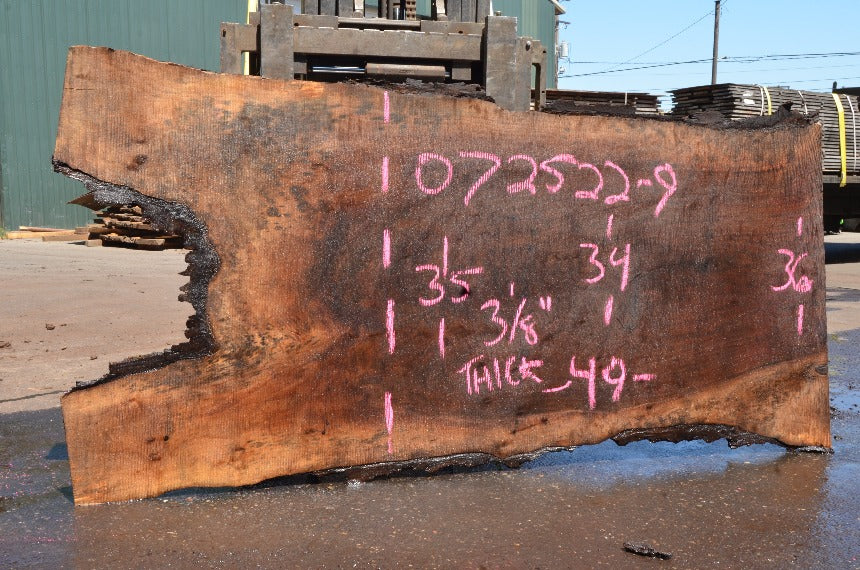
pixel 66 311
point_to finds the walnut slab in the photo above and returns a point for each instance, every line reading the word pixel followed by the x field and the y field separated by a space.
pixel 383 278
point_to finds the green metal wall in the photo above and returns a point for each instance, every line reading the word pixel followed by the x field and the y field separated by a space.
pixel 535 19
pixel 34 38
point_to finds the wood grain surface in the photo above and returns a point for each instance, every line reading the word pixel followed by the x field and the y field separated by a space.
pixel 384 277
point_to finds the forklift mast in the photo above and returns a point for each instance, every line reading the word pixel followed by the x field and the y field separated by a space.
pixel 333 40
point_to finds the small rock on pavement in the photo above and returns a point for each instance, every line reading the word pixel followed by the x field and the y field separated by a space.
pixel 49 326
pixel 5 344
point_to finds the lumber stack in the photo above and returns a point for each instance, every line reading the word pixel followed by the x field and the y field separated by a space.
pixel 44 234
pixel 126 225
pixel 738 101
pixel 615 102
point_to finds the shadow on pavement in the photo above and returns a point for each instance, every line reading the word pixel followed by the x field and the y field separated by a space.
pixel 837 252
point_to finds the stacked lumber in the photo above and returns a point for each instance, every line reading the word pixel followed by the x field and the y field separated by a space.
pixel 736 101
pixel 45 234
pixel 127 226
pixel 603 101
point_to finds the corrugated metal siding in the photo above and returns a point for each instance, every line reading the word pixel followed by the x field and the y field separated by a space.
pixel 536 19
pixel 34 38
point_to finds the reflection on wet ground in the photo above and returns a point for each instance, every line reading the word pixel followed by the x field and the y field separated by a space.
pixel 706 504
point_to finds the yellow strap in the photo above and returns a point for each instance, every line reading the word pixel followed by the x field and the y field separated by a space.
pixel 843 152
pixel 767 94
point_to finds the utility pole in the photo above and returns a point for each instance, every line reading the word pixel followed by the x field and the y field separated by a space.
pixel 716 41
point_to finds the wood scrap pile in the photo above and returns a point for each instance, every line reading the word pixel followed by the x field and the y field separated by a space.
pixel 127 226
pixel 737 101
pixel 44 234
pixel 611 102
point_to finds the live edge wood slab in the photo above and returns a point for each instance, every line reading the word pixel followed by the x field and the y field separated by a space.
pixel 384 280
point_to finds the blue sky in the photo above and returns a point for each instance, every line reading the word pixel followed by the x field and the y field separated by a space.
pixel 625 34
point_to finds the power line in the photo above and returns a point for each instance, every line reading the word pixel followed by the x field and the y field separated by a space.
pixel 759 70
pixel 728 59
pixel 667 40
pixel 664 42
pixel 740 58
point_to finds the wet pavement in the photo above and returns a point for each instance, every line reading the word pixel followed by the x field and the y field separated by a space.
pixel 707 505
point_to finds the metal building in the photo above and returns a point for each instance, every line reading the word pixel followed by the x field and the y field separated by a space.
pixel 34 38
pixel 36 34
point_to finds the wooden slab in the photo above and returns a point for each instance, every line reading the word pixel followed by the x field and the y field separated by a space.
pixel 384 278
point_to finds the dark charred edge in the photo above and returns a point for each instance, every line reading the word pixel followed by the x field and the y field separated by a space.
pixel 643 549
pixel 416 86
pixel 709 433
pixel 460 462
pixel 784 117
pixel 468 462
pixel 203 264
pixel 812 449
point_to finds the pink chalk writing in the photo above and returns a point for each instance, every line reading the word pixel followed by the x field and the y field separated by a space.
pixel 799 320
pixel 802 285
pixel 590 375
pixel 476 372
pixel 593 260
pixel 512 289
pixel 663 174
pixel 423 159
pixel 455 279
pixel 670 185
pixel 609 226
pixel 607 310
pixel 386 107
pixel 442 338
pixel 519 323
pixel 464 286
pixel 386 248
pixel 590 194
pixel 389 325
pixel 624 196
pixel 545 166
pixel 502 323
pixel 384 174
pixel 528 183
pixel 644 377
pixel 526 369
pixel 614 374
pixel 618 380
pixel 624 262
pixel 434 284
pixel 546 303
pixel 389 421
pixel 497 162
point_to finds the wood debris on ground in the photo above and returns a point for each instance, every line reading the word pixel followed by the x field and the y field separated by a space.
pixel 126 226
